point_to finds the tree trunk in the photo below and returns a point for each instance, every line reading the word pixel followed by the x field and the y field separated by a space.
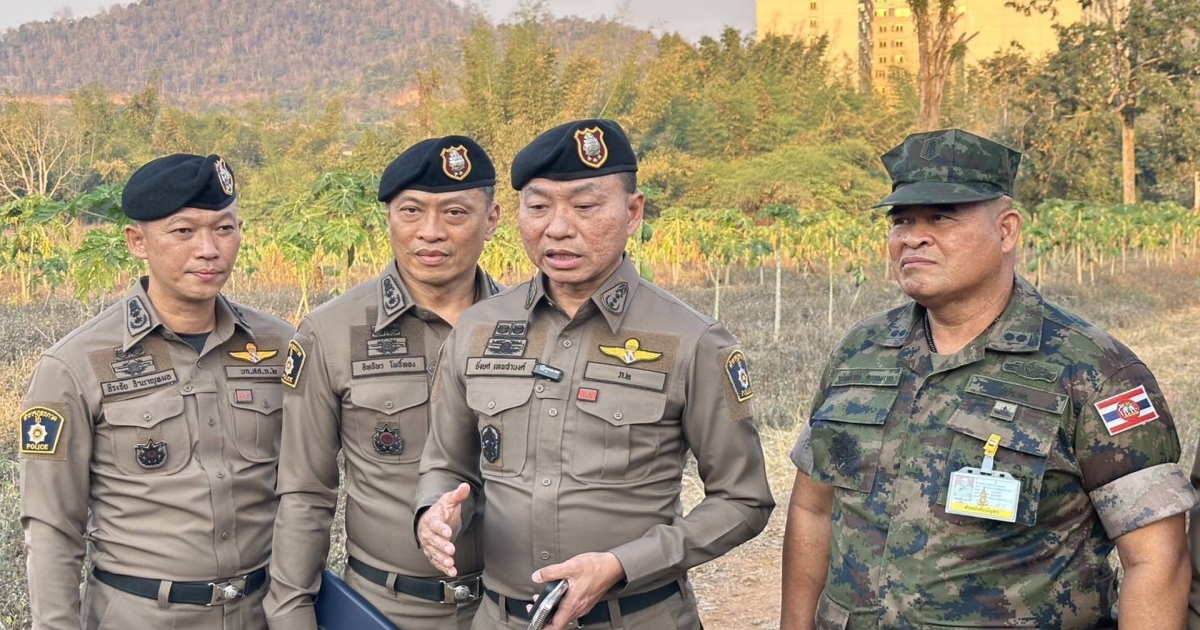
pixel 1196 192
pixel 778 295
pixel 716 277
pixel 1128 166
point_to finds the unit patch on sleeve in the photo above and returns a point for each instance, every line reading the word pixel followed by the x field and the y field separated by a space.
pixel 739 375
pixel 294 365
pixel 40 429
pixel 1126 410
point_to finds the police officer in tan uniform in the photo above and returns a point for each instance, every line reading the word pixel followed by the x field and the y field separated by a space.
pixel 358 382
pixel 572 402
pixel 152 431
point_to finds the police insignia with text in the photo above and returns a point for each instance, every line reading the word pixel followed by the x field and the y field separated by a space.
pixel 40 430
pixel 739 376
pixel 294 364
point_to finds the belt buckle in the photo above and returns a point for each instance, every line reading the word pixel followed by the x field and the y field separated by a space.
pixel 228 591
pixel 461 590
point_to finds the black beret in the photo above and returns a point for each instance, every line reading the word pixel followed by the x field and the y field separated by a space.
pixel 168 184
pixel 577 150
pixel 438 165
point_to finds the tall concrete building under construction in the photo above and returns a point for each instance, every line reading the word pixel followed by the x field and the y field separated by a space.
pixel 873 37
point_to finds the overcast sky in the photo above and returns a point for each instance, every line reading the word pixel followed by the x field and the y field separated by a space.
pixel 692 18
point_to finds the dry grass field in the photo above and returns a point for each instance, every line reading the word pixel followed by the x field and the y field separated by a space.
pixel 1154 310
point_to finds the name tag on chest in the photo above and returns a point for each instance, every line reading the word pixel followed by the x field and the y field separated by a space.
pixel 992 495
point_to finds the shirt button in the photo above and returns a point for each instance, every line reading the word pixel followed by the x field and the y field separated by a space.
pixel 540 388
pixel 618 415
pixel 147 416
pixel 266 405
pixel 389 404
pixel 491 404
pixel 200 365
pixel 553 412
pixel 567 343
pixel 212 422
pixel 546 481
pixel 187 388
pixel 220 474
pixel 224 535
pixel 545 555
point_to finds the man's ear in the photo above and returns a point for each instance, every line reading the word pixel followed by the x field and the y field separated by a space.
pixel 135 239
pixel 1009 223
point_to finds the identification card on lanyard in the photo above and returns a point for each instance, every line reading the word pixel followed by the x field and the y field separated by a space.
pixel 983 492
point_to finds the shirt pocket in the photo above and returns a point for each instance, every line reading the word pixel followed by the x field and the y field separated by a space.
pixel 149 434
pixel 1025 443
pixel 390 420
pixel 847 435
pixel 257 410
pixel 618 436
pixel 501 406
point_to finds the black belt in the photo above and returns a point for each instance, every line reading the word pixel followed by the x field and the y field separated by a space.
pixel 215 593
pixel 599 613
pixel 461 590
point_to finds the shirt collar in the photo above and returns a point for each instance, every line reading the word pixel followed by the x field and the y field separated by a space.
pixel 141 318
pixel 612 298
pixel 394 298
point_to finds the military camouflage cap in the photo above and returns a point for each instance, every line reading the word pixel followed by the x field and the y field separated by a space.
pixel 948 167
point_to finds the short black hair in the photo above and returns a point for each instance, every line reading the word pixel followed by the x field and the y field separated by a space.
pixel 489 192
pixel 629 180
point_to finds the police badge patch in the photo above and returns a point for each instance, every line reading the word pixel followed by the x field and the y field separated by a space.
pixel 393 299
pixel 455 163
pixel 293 366
pixel 136 319
pixel 40 430
pixel 152 454
pixel 593 152
pixel 489 443
pixel 224 176
pixel 614 298
pixel 387 440
pixel 739 376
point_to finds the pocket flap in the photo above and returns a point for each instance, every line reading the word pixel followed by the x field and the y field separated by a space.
pixel 390 396
pixel 624 407
pixel 264 399
pixel 145 411
pixel 1024 435
pixel 492 395
pixel 857 405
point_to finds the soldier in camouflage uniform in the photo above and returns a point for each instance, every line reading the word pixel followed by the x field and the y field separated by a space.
pixel 973 457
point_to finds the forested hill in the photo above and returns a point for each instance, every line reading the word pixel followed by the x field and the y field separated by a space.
pixel 234 50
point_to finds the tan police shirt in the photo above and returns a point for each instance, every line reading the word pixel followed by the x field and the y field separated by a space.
pixel 174 454
pixel 593 461
pixel 358 382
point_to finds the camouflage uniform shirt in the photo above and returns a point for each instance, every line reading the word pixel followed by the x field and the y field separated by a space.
pixel 888 428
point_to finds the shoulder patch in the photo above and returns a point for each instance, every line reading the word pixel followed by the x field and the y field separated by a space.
pixel 293 365
pixel 739 375
pixel 1126 410
pixel 41 428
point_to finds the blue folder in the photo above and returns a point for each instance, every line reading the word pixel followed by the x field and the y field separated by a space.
pixel 339 607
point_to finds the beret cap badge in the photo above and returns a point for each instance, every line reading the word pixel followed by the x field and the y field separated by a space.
pixel 593 152
pixel 455 163
pixel 224 176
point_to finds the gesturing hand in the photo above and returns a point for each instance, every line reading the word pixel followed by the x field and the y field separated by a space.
pixel 439 526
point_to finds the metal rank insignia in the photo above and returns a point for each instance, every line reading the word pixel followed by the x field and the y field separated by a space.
pixel 152 454
pixel 387 440
pixel 489 443
pixel 631 352
pixel 984 492
pixel 252 354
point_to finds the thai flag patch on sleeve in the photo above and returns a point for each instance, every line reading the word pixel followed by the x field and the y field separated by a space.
pixel 1126 410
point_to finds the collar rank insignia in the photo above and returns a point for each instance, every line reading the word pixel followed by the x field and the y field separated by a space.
pixel 1033 370
pixel 532 293
pixel 739 376
pixel 593 152
pixel 387 440
pixel 224 176
pixel 152 454
pixel 393 299
pixel 293 365
pixel 137 320
pixel 489 443
pixel 455 163
pixel 40 429
pixel 252 354
pixel 631 353
pixel 614 298
pixel 133 367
